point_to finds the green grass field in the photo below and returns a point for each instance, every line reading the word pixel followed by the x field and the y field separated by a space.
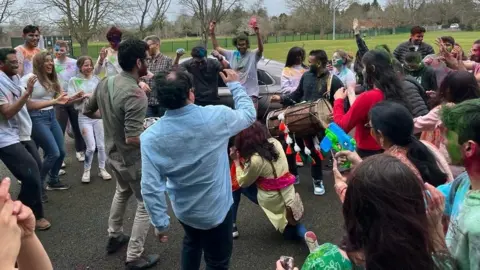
pixel 278 50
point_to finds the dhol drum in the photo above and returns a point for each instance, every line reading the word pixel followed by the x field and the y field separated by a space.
pixel 303 119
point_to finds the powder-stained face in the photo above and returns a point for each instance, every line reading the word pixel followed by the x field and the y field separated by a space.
pixel 87 68
pixel 60 51
pixel 454 149
pixel 32 38
pixel 337 60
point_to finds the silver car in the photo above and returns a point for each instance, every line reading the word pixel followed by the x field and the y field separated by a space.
pixel 269 73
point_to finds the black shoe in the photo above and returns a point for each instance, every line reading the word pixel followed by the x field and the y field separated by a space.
pixel 143 262
pixel 57 186
pixel 115 243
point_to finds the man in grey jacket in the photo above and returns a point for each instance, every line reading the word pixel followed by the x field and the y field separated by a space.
pixel 416 42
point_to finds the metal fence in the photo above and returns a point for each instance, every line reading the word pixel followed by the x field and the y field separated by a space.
pixel 188 44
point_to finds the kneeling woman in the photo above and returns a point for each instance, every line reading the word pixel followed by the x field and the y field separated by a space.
pixel 266 166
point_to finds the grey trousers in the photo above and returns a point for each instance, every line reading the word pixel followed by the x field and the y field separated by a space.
pixel 128 183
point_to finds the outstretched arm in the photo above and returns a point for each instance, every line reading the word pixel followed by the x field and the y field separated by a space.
pixel 214 39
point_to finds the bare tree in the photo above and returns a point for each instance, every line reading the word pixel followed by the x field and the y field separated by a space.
pixel 206 11
pixel 149 14
pixel 83 18
pixel 7 9
pixel 320 12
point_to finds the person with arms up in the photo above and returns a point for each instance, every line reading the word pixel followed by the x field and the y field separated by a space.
pixel 184 154
pixel 243 60
pixel 463 194
pixel 20 247
pixel 46 131
pixel 26 51
pixel 17 151
pixel 416 42
pixel 317 83
pixel 66 69
pixel 122 105
pixel 205 74
pixel 157 62
pixel 92 129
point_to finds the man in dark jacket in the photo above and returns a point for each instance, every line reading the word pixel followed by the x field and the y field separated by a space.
pixel 414 92
pixel 415 42
pixel 315 84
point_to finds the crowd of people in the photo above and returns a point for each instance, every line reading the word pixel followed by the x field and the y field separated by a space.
pixel 410 199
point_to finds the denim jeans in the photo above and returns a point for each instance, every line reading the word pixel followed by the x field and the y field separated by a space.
pixel 296 232
pixel 47 134
pixel 249 192
pixel 216 244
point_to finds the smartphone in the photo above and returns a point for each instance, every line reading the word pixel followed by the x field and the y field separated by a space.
pixel 287 262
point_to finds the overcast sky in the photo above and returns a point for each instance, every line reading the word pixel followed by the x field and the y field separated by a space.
pixel 274 7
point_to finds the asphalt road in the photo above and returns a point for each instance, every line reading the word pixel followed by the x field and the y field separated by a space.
pixel 79 217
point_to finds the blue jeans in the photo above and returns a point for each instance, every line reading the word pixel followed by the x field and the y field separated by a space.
pixel 47 134
pixel 296 232
pixel 249 192
pixel 216 244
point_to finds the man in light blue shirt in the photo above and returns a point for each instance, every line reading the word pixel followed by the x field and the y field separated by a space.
pixel 185 154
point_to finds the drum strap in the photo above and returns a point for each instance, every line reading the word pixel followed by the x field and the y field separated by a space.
pixel 329 85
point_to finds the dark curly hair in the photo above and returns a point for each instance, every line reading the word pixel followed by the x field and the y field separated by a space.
pixel 254 140
pixel 242 37
pixel 129 51
pixel 173 88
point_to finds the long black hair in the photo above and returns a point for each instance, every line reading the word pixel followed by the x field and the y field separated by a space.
pixel 385 215
pixel 294 56
pixel 379 73
pixel 396 124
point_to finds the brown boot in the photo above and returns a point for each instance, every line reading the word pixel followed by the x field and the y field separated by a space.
pixel 42 225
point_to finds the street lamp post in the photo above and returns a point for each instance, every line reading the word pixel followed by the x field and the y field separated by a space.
pixel 334 9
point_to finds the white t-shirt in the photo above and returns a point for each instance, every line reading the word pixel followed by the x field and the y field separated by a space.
pixel 65 71
pixel 39 92
pixel 80 83
pixel 347 76
pixel 246 67
pixel 19 127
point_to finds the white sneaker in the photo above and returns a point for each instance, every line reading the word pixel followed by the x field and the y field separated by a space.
pixel 104 174
pixel 86 176
pixel 80 156
pixel 61 172
pixel 318 188
pixel 64 165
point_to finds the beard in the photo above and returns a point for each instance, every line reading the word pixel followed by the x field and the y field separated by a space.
pixel 143 70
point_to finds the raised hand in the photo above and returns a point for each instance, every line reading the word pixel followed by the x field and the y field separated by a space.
pixel 212 26
pixel 31 83
pixel 103 54
pixel 355 25
pixel 229 75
